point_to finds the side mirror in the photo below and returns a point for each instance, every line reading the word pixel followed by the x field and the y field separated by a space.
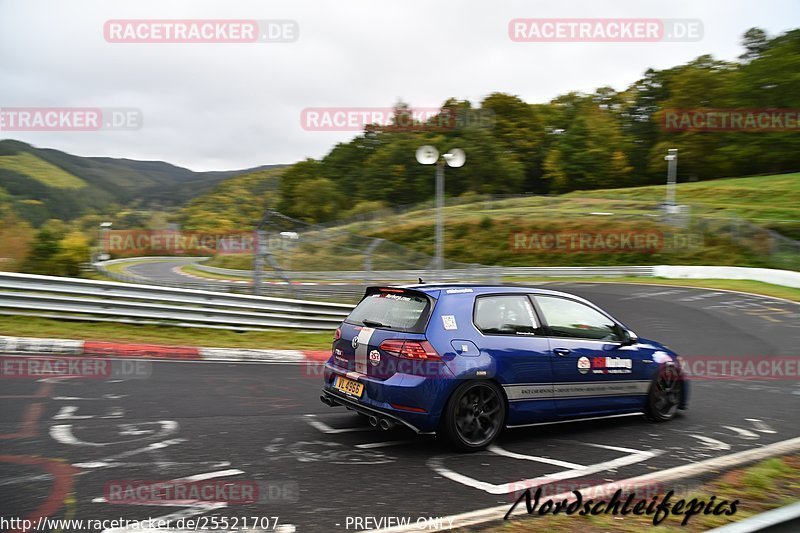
pixel 629 337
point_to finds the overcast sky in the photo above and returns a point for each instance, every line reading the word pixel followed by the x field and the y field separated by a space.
pixel 227 106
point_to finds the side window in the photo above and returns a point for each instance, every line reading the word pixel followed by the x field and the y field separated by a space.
pixel 568 318
pixel 505 315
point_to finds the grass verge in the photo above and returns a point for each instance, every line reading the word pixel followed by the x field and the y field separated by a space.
pixel 193 270
pixel 24 326
pixel 763 486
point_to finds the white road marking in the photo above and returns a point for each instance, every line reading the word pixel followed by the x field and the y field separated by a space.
pixel 76 398
pixel 505 453
pixel 325 428
pixel 112 460
pixel 701 296
pixel 615 448
pixel 187 479
pixel 194 510
pixel 436 463
pixel 114 412
pixel 652 294
pixel 712 444
pixel 25 479
pixel 760 426
pixel 158 464
pixel 210 475
pixel 64 435
pixel 67 412
pixel 195 507
pixel 56 379
pixel 489 514
pixel 386 444
pixel 744 433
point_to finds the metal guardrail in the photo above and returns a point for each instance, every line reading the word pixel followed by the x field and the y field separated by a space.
pixel 124 302
pixel 455 274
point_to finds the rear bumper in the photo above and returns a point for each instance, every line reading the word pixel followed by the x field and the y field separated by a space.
pixel 380 397
pixel 341 399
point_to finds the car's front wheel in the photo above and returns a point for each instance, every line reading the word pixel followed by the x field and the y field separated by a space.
pixel 474 415
pixel 664 395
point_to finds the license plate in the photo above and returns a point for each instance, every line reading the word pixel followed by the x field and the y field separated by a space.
pixel 348 386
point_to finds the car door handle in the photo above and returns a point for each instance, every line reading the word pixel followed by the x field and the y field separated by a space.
pixel 561 351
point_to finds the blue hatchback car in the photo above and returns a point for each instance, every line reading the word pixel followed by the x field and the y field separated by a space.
pixel 466 361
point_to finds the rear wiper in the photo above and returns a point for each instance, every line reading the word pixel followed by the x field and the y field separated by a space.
pixel 373 323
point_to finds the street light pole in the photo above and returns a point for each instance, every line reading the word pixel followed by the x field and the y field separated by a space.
pixel 102 242
pixel 439 261
pixel 428 155
pixel 672 167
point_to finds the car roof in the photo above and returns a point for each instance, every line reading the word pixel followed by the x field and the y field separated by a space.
pixel 483 288
pixel 480 288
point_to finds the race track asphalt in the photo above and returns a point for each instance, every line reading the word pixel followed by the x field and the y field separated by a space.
pixel 319 468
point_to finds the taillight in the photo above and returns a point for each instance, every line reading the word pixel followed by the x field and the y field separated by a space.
pixel 408 408
pixel 407 349
pixel 338 334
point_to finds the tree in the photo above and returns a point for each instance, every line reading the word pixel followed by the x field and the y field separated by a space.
pixel 755 43
pixel 317 200
pixel 72 253
pixel 45 248
pixel 590 154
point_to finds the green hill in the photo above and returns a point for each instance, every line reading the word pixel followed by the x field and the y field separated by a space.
pixel 769 201
pixel 40 184
pixel 234 204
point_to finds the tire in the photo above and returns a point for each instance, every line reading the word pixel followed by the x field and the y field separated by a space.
pixel 664 395
pixel 474 416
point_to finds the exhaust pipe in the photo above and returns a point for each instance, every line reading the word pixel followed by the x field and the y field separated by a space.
pixel 386 424
pixel 373 421
pixel 327 401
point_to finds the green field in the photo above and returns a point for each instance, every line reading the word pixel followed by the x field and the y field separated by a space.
pixel 42 171
pixel 765 200
pixel 24 326
pixel 481 231
pixel 770 201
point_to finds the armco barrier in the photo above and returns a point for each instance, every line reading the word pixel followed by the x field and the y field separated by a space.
pixel 81 299
pixel 787 278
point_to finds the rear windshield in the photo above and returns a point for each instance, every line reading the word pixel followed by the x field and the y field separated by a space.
pixel 391 310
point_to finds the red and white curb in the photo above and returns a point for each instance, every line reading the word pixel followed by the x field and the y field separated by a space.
pixel 37 346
